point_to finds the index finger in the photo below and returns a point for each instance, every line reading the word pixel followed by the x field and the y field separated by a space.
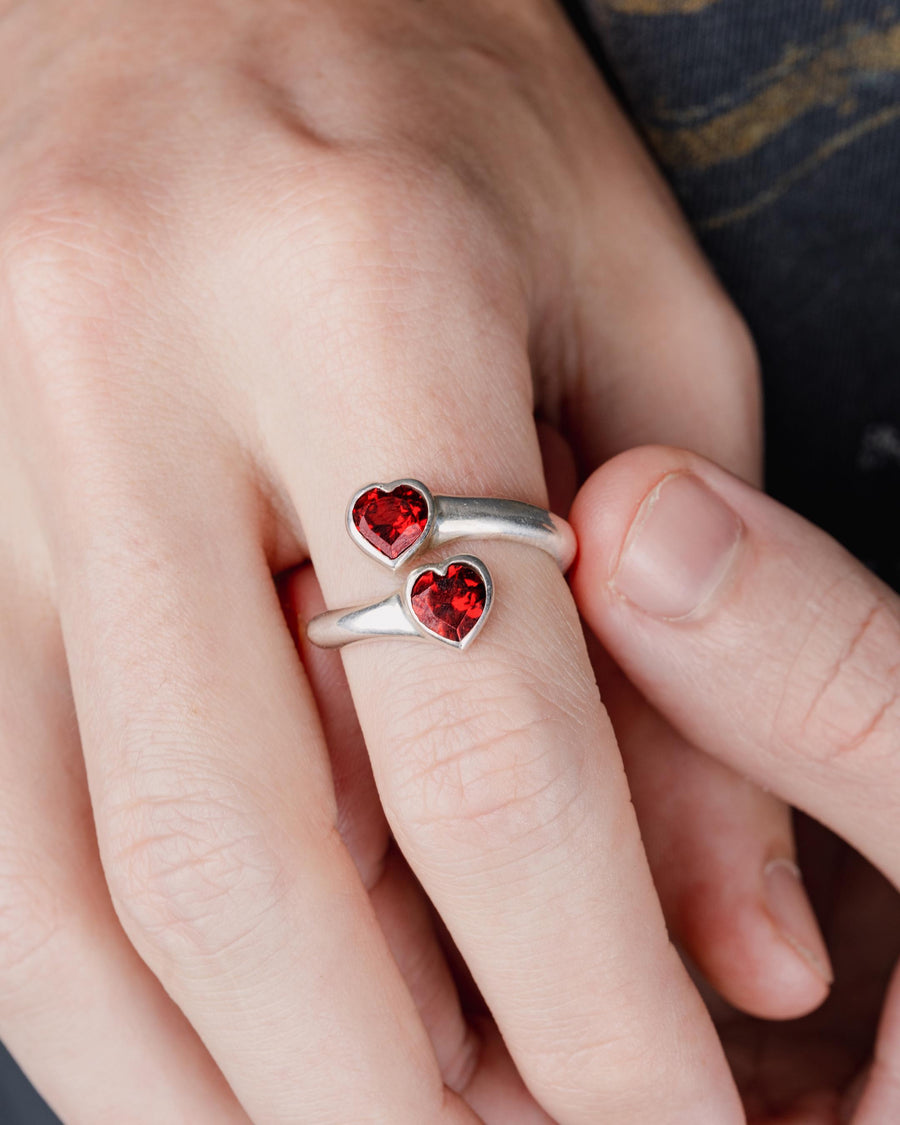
pixel 760 637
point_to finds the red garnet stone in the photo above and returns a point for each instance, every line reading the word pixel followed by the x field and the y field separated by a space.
pixel 449 604
pixel 391 521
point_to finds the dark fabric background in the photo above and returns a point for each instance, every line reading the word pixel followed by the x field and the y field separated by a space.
pixel 778 124
pixel 19 1104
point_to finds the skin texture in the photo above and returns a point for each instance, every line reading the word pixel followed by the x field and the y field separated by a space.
pixel 254 255
pixel 786 671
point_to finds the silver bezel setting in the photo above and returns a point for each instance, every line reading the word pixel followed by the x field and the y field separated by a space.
pixel 476 517
pixel 393 616
pixel 417 544
pixel 449 518
pixel 441 568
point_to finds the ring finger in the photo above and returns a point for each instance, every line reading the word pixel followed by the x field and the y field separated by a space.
pixel 497 767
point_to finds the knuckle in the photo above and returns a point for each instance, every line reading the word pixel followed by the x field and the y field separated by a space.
pixel 481 757
pixel 694 342
pixel 640 1062
pixel 590 1075
pixel 389 219
pixel 577 1071
pixel 708 339
pixel 190 872
pixel 732 340
pixel 72 281
pixel 70 253
pixel 79 282
pixel 718 338
pixel 841 698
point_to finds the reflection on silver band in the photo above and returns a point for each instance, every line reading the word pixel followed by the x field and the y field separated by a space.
pixel 340 627
pixel 414 519
pixel 476 517
pixel 450 601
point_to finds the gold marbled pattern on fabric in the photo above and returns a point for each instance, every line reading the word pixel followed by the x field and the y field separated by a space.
pixel 837 141
pixel 837 61
pixel 658 7
pixel 806 78
pixel 777 123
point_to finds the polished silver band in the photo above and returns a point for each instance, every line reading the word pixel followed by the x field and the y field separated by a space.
pixel 468 517
pixel 477 517
pixel 399 616
pixel 450 601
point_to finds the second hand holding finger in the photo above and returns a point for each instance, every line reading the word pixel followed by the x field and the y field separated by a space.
pixel 770 647
pixel 753 630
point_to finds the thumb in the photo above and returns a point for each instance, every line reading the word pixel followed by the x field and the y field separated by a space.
pixel 759 637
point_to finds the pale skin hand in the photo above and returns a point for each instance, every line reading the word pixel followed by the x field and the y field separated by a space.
pixel 254 255
pixel 769 646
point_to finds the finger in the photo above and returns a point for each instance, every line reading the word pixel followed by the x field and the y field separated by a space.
pixel 684 798
pixel 710 832
pixel 493 1088
pixel 360 817
pixel 710 896
pixel 497 767
pixel 758 635
pixel 880 1101
pixel 213 798
pixel 85 1018
pixel 664 357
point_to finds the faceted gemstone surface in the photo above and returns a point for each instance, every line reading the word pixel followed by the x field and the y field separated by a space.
pixel 391 521
pixel 449 604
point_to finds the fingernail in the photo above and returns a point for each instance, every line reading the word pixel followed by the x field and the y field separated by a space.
pixel 793 915
pixel 679 549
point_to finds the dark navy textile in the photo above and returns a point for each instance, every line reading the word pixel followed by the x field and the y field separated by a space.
pixel 777 122
pixel 19 1104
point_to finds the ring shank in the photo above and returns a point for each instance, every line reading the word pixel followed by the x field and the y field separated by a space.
pixel 478 517
pixel 452 517
pixel 338 627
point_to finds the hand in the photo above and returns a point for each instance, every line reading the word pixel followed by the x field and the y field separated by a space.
pixel 252 256
pixel 765 643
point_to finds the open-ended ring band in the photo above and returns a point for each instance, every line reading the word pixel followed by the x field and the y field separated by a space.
pixel 392 522
pixel 448 602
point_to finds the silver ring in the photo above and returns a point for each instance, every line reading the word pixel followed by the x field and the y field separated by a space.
pixel 448 602
pixel 393 522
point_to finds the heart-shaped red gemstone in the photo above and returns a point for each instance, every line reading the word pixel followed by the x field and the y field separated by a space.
pixel 391 521
pixel 449 604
